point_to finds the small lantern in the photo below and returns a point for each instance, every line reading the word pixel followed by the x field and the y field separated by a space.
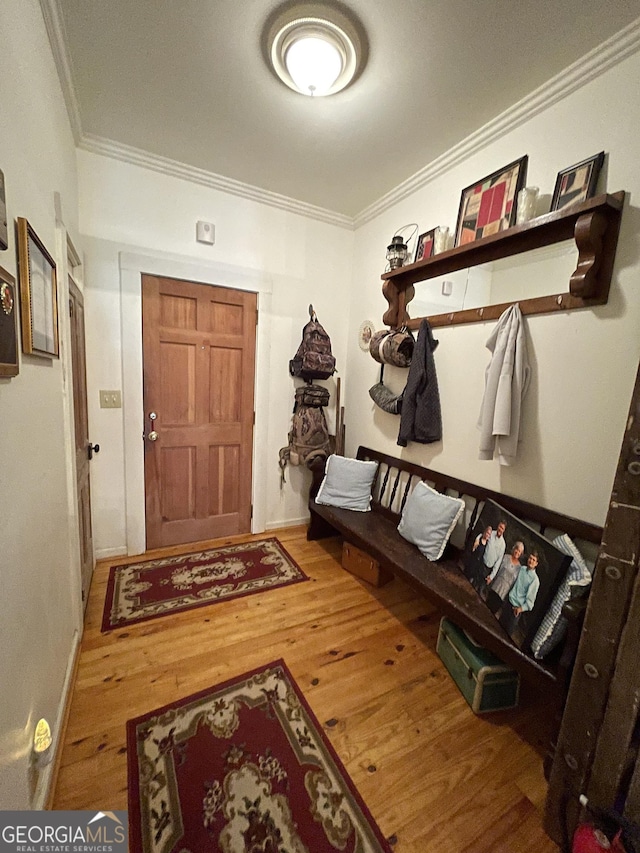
pixel 397 252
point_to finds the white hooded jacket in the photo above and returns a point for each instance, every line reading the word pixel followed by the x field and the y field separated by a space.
pixel 506 382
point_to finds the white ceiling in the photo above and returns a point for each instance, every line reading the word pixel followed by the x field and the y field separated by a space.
pixel 187 80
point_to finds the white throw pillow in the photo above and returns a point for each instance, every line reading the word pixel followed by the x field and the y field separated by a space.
pixel 347 483
pixel 428 520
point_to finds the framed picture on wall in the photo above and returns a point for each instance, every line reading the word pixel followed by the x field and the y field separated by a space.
pixel 4 231
pixel 577 183
pixel 38 294
pixel 425 245
pixel 8 325
pixel 515 571
pixel 488 206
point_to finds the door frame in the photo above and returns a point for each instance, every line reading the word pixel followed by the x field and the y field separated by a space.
pixel 132 266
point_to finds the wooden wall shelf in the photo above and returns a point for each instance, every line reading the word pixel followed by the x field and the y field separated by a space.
pixel 594 224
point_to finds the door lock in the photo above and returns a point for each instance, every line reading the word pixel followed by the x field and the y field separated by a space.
pixel 91 449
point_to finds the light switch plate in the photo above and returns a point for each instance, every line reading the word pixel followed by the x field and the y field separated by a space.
pixel 110 399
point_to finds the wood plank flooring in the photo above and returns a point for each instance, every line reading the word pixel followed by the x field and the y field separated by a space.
pixel 435 776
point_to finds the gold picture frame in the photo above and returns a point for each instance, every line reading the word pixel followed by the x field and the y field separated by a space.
pixel 9 365
pixel 38 294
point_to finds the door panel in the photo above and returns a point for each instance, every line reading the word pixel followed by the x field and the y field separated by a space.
pixel 225 392
pixel 199 362
pixel 224 492
pixel 81 434
pixel 178 389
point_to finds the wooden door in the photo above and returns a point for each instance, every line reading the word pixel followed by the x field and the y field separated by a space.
pixel 198 346
pixel 81 432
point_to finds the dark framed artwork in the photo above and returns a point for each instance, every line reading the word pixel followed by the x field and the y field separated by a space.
pixel 38 294
pixel 577 183
pixel 513 568
pixel 4 231
pixel 8 325
pixel 488 206
pixel 425 245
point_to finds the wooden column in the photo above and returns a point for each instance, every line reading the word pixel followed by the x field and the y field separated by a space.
pixel 596 754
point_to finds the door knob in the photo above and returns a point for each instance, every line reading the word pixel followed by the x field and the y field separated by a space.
pixel 91 449
pixel 153 435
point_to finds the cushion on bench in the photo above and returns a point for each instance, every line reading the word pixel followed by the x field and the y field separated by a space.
pixel 428 519
pixel 347 483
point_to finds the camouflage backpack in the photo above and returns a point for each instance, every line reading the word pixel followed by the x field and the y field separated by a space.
pixel 308 436
pixel 313 359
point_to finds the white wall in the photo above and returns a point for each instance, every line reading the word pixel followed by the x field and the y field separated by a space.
pixel 584 362
pixel 39 605
pixel 289 259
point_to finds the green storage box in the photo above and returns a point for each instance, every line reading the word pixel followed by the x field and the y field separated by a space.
pixel 484 681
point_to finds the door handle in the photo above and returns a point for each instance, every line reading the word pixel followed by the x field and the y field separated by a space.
pixel 152 435
pixel 91 449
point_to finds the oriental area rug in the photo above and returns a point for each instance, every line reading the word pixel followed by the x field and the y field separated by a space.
pixel 140 591
pixel 242 767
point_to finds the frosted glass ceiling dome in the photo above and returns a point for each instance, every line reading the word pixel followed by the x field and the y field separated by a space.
pixel 314 49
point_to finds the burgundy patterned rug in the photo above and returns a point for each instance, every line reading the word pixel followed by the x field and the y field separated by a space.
pixel 140 591
pixel 243 767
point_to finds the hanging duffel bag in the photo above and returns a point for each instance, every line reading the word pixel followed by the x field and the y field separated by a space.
pixel 392 346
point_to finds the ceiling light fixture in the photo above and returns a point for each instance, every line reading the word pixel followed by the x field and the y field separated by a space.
pixel 315 49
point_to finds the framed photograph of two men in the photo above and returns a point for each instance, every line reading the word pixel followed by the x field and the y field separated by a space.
pixel 515 571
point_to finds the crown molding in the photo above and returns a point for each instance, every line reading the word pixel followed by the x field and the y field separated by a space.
pixel 101 145
pixel 176 169
pixel 55 30
pixel 591 65
pixel 575 76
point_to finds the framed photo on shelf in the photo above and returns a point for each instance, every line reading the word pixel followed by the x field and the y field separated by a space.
pixel 38 294
pixel 8 325
pixel 489 205
pixel 577 183
pixel 4 232
pixel 424 246
pixel 513 568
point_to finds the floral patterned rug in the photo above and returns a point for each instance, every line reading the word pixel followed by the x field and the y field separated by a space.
pixel 140 591
pixel 243 767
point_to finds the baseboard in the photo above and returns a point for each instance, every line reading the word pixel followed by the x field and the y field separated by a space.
pixel 46 786
pixel 105 553
pixel 289 522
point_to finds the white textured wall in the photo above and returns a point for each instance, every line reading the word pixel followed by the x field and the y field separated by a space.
pixel 40 585
pixel 292 260
pixel 584 362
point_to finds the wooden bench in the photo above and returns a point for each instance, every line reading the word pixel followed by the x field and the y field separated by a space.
pixel 443 583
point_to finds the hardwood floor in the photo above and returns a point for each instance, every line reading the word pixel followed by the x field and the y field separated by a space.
pixel 435 776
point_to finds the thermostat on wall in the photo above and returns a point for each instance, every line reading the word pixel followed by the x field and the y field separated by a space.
pixel 205 232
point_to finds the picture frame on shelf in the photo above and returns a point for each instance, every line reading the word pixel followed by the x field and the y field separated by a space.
pixel 38 294
pixel 425 246
pixel 577 183
pixel 488 206
pixel 9 365
pixel 4 230
pixel 494 571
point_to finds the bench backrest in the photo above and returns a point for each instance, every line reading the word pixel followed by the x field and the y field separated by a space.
pixel 396 478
